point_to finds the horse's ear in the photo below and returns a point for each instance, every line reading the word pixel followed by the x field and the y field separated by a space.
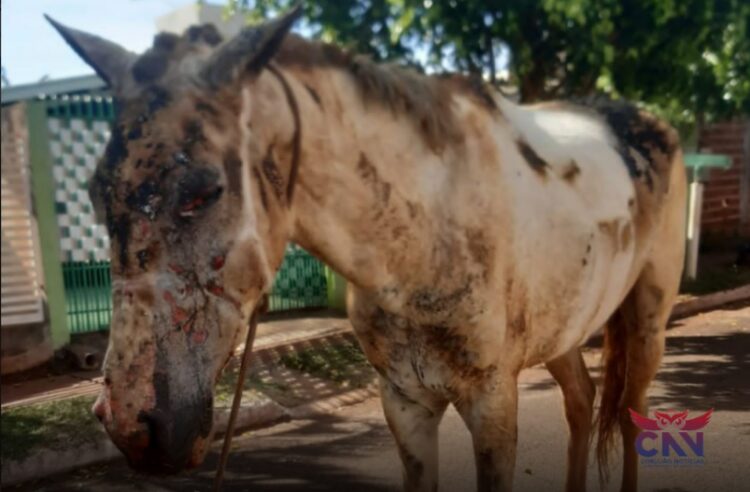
pixel 249 51
pixel 111 61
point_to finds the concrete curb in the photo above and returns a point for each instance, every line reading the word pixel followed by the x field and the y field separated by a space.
pixel 252 415
pixel 709 302
pixel 46 462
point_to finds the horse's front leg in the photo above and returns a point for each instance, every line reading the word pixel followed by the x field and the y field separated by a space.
pixel 491 416
pixel 414 425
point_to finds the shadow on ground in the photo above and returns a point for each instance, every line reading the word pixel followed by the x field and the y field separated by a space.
pixel 697 373
pixel 288 461
pixel 706 372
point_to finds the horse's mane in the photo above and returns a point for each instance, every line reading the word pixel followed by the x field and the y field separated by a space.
pixel 426 100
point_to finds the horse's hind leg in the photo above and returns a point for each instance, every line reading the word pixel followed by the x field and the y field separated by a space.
pixel 651 299
pixel 414 425
pixel 569 370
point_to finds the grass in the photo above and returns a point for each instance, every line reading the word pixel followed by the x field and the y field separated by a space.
pixel 56 425
pixel 228 381
pixel 338 363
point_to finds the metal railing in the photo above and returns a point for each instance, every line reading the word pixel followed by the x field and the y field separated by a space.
pixel 300 283
pixel 88 295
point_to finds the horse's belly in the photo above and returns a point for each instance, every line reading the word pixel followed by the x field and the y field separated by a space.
pixel 423 360
pixel 590 297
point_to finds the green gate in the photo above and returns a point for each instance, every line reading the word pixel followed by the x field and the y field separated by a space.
pixel 88 295
pixel 300 282
pixel 78 128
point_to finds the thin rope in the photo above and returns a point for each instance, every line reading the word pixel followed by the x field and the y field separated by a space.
pixel 229 432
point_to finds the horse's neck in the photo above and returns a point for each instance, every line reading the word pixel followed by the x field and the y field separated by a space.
pixel 368 187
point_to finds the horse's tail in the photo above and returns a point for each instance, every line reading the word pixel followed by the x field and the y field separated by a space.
pixel 615 365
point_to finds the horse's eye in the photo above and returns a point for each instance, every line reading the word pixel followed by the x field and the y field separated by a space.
pixel 198 190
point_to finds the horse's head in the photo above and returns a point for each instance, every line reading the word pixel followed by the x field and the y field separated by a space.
pixel 193 190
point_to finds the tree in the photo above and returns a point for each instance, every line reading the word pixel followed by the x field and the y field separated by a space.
pixel 687 59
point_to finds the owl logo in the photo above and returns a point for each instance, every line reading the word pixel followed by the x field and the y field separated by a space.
pixel 672 421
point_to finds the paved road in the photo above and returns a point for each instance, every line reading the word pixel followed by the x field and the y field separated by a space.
pixel 707 366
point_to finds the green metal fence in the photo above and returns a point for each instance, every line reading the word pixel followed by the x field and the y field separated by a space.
pixel 88 295
pixel 300 283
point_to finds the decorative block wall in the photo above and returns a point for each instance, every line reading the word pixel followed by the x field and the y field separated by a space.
pixel 75 145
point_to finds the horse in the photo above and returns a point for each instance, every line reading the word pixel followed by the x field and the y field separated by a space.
pixel 479 237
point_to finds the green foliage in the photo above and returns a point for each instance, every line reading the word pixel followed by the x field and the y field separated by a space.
pixel 54 425
pixel 686 59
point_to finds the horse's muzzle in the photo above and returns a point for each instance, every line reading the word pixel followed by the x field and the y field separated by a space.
pixel 166 442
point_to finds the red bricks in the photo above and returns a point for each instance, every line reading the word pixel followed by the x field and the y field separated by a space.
pixel 722 194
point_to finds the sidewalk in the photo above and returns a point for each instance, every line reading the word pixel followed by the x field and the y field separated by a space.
pixel 278 331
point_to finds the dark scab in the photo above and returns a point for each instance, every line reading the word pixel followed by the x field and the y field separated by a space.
pixel 181 158
pixel 193 133
pixel 143 257
pixel 532 158
pixel 198 188
pixel 145 199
